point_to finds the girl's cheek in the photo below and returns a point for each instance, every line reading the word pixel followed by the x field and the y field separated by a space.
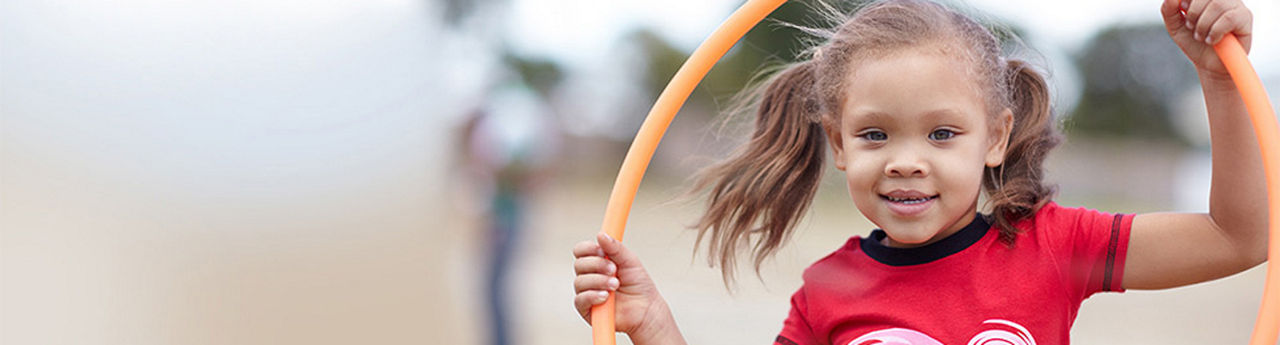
pixel 860 170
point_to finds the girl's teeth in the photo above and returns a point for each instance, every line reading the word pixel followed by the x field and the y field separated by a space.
pixel 910 201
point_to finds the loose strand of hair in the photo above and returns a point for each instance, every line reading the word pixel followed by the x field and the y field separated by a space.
pixel 757 195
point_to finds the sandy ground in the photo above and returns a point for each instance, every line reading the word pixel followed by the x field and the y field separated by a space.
pixel 95 250
pixel 1219 312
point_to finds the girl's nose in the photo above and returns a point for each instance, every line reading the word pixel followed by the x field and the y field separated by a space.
pixel 906 165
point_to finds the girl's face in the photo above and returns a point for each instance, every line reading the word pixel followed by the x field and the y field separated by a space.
pixel 913 140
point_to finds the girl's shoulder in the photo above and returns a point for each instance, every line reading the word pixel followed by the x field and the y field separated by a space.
pixel 850 246
pixel 835 258
pixel 1054 217
pixel 1079 233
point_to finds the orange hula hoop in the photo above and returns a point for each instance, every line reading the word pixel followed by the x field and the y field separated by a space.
pixel 660 116
pixel 746 17
pixel 1268 132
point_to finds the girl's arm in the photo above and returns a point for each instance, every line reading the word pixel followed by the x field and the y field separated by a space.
pixel 1167 249
pixel 639 311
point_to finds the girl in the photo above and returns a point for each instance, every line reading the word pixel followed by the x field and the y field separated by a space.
pixel 922 113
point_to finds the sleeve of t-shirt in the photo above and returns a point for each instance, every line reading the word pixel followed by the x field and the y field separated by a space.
pixel 1090 246
pixel 795 329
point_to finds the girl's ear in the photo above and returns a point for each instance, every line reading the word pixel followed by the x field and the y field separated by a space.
pixel 837 145
pixel 995 153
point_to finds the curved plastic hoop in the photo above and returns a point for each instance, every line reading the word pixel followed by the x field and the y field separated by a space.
pixel 669 102
pixel 1268 132
pixel 751 13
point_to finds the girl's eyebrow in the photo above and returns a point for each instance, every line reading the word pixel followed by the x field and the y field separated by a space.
pixel 872 116
pixel 858 120
pixel 938 115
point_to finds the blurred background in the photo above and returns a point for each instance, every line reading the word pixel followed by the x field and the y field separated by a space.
pixel 409 172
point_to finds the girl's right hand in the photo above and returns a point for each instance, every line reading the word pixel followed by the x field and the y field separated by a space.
pixel 1203 25
pixel 606 265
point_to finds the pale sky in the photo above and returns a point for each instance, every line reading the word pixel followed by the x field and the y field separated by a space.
pixel 586 41
pixel 333 62
pixel 542 27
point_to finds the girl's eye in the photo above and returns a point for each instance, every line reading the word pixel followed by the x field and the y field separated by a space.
pixel 942 134
pixel 874 136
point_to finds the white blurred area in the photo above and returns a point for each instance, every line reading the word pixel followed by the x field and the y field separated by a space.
pixel 222 172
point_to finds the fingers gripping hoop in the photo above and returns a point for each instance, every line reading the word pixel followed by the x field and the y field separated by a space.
pixel 751 13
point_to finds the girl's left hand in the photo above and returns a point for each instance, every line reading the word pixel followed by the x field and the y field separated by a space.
pixel 1203 25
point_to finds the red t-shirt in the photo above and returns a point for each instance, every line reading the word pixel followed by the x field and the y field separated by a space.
pixel 969 288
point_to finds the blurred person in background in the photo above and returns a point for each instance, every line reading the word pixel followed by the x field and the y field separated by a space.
pixel 507 143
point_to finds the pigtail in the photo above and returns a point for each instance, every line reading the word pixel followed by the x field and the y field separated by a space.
pixel 1017 188
pixel 758 194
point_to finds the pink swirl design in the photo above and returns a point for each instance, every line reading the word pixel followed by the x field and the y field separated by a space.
pixel 895 336
pixel 1002 332
pixel 994 332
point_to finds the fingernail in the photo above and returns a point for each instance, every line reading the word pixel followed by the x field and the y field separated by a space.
pixel 1184 5
pixel 603 294
pixel 610 268
pixel 1196 36
pixel 1208 40
pixel 1189 24
pixel 613 283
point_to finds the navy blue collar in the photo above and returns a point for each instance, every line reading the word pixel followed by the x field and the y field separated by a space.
pixel 958 241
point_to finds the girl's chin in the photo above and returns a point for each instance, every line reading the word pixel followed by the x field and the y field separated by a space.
pixel 907 240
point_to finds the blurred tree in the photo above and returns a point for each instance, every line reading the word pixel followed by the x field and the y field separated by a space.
pixel 771 42
pixel 1132 75
pixel 661 59
pixel 455 11
pixel 540 74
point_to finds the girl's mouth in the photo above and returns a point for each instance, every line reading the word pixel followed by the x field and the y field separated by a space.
pixel 908 201
pixel 909 205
